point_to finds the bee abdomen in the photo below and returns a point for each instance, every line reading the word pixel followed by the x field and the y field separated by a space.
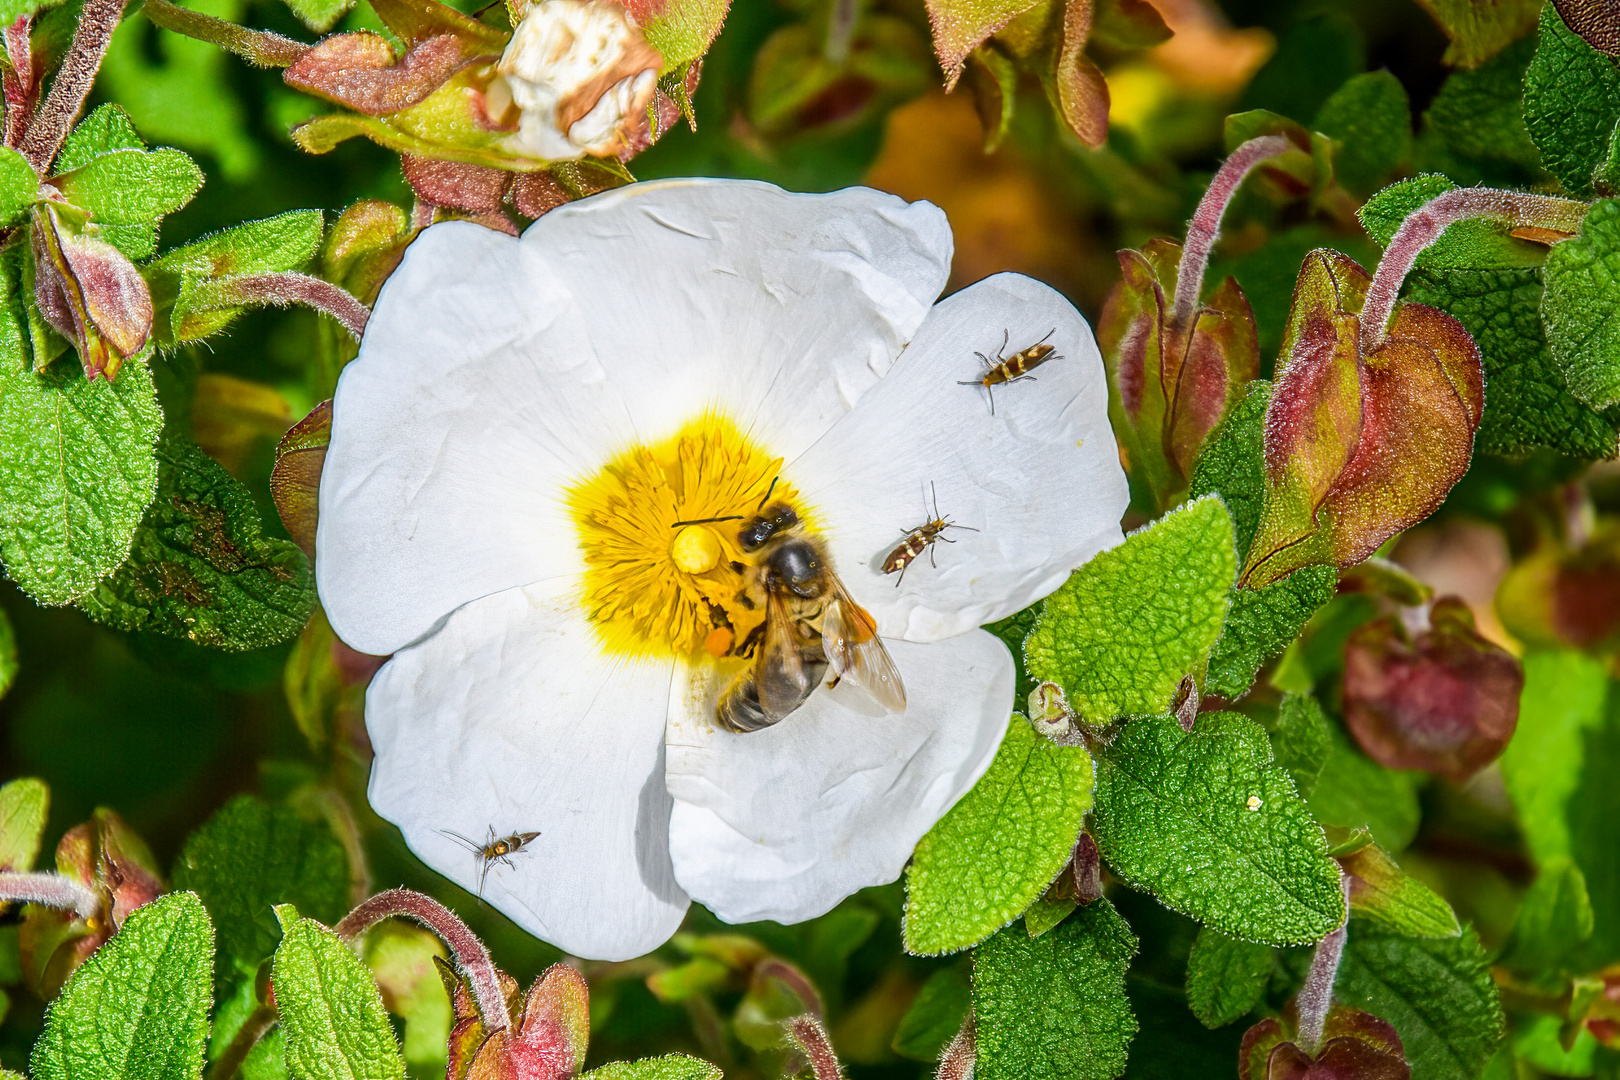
pixel 739 709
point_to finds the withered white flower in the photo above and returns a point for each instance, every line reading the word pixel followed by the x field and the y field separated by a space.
pixel 525 424
pixel 581 76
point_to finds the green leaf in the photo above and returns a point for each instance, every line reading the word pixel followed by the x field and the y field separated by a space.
pixel 683 29
pixel 1054 1007
pixel 332 1016
pixel 1302 740
pixel 272 245
pixel 1353 791
pixel 1591 812
pixel 1555 918
pixel 1470 244
pixel 105 130
pixel 1027 809
pixel 1211 826
pixel 1261 622
pixel 129 187
pixel 23 806
pixel 1226 978
pixel 320 15
pixel 1127 626
pixel 1571 103
pixel 1381 892
pixel 19 185
pixel 8 654
pixel 935 1015
pixel 1232 464
pixel 668 1067
pixel 1564 697
pixel 1371 120
pixel 1579 306
pixel 1477 116
pixel 139 1005
pixel 200 567
pixel 266 1060
pixel 1477 30
pixel 80 469
pixel 251 856
pixel 1046 913
pixel 1437 992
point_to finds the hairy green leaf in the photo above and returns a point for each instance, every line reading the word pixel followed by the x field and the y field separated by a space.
pixel 331 1014
pixel 1370 119
pixel 1470 244
pixel 935 1015
pixel 1381 892
pixel 1591 812
pixel 320 15
pixel 272 245
pixel 1232 464
pixel 251 856
pixel 1126 627
pixel 1571 103
pixel 1353 792
pixel 997 849
pixel 1261 622
pixel 200 566
pixel 1046 913
pixel 1565 696
pixel 668 1067
pixel 1554 918
pixel 104 131
pixel 1437 992
pixel 127 187
pixel 1054 1007
pixel 19 185
pixel 1209 824
pixel 1580 303
pixel 1226 978
pixel 1302 740
pixel 139 1006
pixel 23 806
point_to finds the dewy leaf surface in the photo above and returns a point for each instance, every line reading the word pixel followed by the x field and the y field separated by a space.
pixel 284 242
pixel 669 1067
pixel 127 187
pixel 139 1006
pixel 1579 306
pixel 1571 103
pixel 1438 993
pixel 105 130
pixel 1261 622
pixel 1054 1007
pixel 251 856
pixel 332 1016
pixel 997 849
pixel 1302 740
pixel 1126 627
pixel 1207 822
pixel 200 566
pixel 1226 978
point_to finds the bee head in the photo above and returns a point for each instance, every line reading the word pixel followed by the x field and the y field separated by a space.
pixel 770 521
pixel 797 565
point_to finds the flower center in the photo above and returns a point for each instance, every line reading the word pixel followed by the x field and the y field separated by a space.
pixel 662 576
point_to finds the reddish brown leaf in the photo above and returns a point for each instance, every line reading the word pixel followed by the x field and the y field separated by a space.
pixel 537 193
pixel 551 1040
pixel 1220 357
pixel 960 26
pixel 1596 21
pixel 1355 1046
pixel 477 189
pixel 296 478
pixel 92 294
pixel 365 244
pixel 1081 89
pixel 360 70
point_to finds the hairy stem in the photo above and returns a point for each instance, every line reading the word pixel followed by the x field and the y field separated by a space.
pixel 1316 996
pixel 811 1038
pixel 290 288
pixel 957 1062
pixel 1429 222
pixel 1205 227
pixel 472 959
pixel 260 48
pixel 97 21
pixel 52 890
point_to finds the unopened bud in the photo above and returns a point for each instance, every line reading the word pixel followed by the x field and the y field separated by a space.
pixel 1049 711
pixel 581 75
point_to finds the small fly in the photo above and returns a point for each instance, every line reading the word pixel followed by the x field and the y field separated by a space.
pixel 922 538
pixel 491 851
pixel 1011 368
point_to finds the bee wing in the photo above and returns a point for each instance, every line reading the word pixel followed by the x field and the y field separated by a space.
pixel 780 677
pixel 856 653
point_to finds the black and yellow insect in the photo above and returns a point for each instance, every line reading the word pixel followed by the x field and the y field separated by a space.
pixel 922 538
pixel 1011 368
pixel 491 851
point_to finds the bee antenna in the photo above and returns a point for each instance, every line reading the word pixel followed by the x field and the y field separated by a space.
pixel 768 491
pixel 705 521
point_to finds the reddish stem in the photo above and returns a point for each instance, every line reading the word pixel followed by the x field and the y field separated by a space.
pixel 1316 996
pixel 97 21
pixel 960 1056
pixel 18 79
pixel 1429 222
pixel 290 288
pixel 1205 227
pixel 810 1037
pixel 471 957
pixel 52 890
pixel 261 48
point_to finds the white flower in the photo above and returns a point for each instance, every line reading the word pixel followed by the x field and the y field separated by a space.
pixel 581 75
pixel 526 420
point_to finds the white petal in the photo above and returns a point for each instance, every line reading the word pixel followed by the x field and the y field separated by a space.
pixel 780 309
pixel 784 823
pixel 1040 480
pixel 509 717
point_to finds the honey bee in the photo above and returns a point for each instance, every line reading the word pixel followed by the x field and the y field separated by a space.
pixel 494 850
pixel 1012 368
pixel 811 625
pixel 922 538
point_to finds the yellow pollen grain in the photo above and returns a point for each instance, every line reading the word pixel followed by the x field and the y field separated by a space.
pixel 655 589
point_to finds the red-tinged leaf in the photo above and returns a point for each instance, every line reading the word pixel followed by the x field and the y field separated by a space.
pixel 1222 355
pixel 960 26
pixel 366 242
pixel 556 1027
pixel 107 304
pixel 538 193
pixel 476 189
pixel 1082 92
pixel 681 30
pixel 1355 1046
pixel 1130 333
pixel 1445 702
pixel 295 480
pixel 415 21
pixel 360 70
pixel 1129 24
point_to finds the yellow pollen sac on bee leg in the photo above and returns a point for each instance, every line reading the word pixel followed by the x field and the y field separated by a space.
pixel 695 550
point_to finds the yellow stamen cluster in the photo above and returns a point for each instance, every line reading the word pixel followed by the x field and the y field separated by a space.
pixel 655 588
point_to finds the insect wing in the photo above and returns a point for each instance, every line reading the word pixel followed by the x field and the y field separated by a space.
pixel 856 653
pixel 780 677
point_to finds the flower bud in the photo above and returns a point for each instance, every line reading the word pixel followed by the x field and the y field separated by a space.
pixel 580 75
pixel 89 293
pixel 1049 711
pixel 1355 1046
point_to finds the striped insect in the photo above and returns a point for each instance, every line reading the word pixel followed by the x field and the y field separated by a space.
pixel 922 538
pixel 1008 369
pixel 491 851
